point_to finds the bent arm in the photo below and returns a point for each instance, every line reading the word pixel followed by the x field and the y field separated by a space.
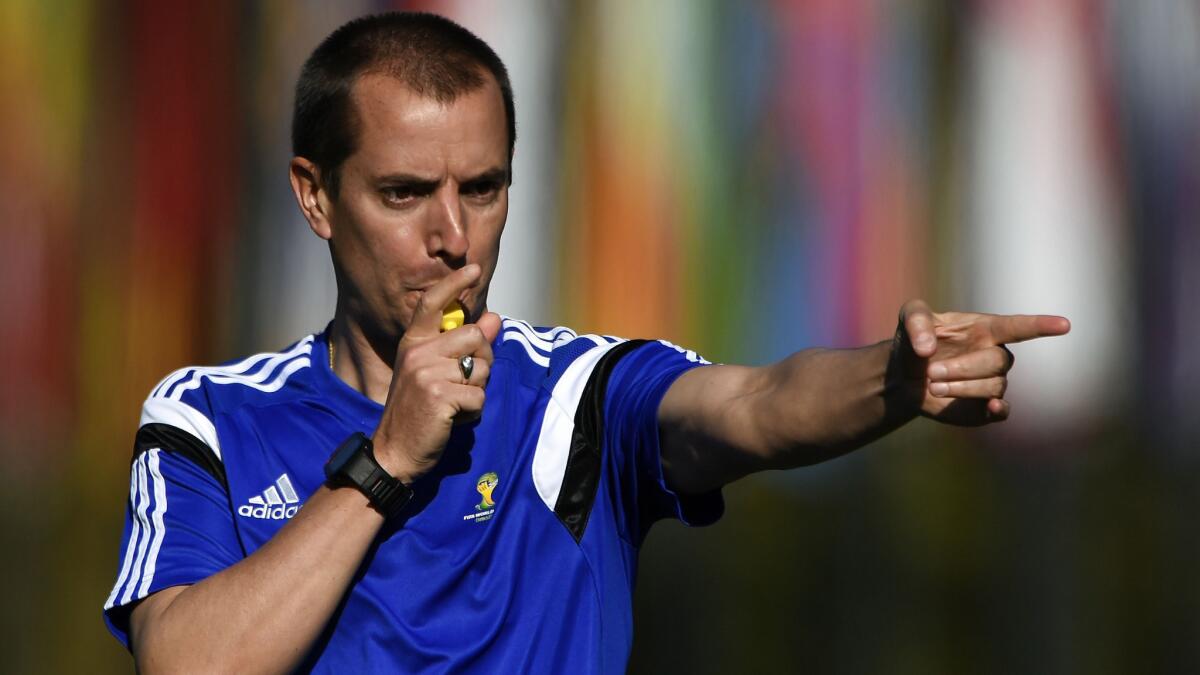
pixel 262 614
pixel 720 423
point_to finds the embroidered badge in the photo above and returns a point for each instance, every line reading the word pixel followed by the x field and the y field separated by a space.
pixel 485 509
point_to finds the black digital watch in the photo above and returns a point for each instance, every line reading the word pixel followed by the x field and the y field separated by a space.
pixel 354 464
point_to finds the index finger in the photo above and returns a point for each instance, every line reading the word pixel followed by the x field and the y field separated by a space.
pixel 427 319
pixel 1021 327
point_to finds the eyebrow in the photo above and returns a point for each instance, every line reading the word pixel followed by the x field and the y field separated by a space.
pixel 407 180
pixel 497 175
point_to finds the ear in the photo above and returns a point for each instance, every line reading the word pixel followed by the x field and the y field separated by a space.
pixel 311 196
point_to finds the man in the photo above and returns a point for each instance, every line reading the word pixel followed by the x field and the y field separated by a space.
pixel 317 508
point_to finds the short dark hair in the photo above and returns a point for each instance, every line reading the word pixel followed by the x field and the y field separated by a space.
pixel 430 54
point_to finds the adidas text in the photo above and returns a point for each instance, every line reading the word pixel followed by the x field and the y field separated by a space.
pixel 268 512
pixel 277 502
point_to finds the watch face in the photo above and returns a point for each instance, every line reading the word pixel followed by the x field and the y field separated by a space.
pixel 343 454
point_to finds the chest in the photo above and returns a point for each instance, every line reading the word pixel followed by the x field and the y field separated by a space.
pixel 275 459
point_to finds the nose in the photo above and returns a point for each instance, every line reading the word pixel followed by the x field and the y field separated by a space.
pixel 448 235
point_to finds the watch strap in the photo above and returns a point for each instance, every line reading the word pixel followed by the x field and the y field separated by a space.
pixel 362 470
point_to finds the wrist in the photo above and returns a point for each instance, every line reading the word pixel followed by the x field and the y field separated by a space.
pixel 354 464
pixel 902 391
pixel 395 460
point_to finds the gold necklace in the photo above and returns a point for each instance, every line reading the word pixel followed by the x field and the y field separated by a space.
pixel 331 348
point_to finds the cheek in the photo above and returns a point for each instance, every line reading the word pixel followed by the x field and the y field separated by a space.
pixel 392 240
pixel 486 240
pixel 378 254
pixel 398 242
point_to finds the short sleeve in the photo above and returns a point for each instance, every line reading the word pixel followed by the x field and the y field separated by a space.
pixel 636 385
pixel 179 526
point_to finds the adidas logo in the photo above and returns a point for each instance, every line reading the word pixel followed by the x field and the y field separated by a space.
pixel 278 502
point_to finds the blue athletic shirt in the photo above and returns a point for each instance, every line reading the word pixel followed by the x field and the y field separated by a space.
pixel 518 551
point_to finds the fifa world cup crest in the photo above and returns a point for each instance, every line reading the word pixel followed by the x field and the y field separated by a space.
pixel 486 483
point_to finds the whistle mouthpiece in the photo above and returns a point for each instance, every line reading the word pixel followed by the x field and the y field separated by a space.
pixel 453 316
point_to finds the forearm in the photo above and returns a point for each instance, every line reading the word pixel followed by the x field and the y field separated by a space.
pixel 720 423
pixel 262 614
pixel 821 403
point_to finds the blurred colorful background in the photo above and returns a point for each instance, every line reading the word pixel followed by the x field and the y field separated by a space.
pixel 747 179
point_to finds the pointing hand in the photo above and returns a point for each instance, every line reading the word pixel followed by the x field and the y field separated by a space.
pixel 954 365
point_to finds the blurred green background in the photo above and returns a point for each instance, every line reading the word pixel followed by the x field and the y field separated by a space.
pixel 744 178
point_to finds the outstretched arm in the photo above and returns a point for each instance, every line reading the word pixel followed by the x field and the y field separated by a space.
pixel 720 423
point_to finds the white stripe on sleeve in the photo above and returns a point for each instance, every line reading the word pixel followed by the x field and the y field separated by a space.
pixel 144 520
pixel 160 530
pixel 135 497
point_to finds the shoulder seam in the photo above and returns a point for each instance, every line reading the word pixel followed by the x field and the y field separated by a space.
pixel 539 344
pixel 277 365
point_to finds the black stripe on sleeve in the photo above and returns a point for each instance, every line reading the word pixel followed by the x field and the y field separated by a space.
pixel 584 461
pixel 180 442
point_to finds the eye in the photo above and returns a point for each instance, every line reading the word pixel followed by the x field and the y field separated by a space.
pixel 398 194
pixel 484 190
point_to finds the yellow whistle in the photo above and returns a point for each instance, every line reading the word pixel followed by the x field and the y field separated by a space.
pixel 453 316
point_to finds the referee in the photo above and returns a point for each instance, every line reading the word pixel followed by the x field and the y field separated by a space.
pixel 407 492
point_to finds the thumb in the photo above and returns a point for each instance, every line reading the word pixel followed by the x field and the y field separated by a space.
pixel 905 358
pixel 916 320
pixel 489 323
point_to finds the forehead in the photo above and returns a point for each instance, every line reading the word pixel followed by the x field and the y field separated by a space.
pixel 401 130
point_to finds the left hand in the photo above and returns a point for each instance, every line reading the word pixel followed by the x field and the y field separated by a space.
pixel 956 363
